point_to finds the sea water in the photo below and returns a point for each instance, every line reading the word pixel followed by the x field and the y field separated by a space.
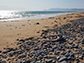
pixel 6 15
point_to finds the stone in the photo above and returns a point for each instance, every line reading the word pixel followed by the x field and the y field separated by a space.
pixel 57 52
pixel 54 61
pixel 49 60
pixel 19 61
pixel 0 51
pixel 62 59
pixel 4 56
pixel 6 51
pixel 64 62
pixel 28 61
pixel 36 48
pixel 2 61
pixel 58 57
pixel 52 56
pixel 38 61
pixel 10 54
pixel 40 57
pixel 37 23
pixel 63 53
pixel 22 56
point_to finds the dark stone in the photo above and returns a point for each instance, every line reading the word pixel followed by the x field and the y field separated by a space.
pixel 36 48
pixel 20 51
pixel 24 62
pixel 22 56
pixel 22 40
pixel 4 56
pixel 52 56
pixel 6 51
pixel 12 62
pixel 49 60
pixel 63 53
pixel 37 23
pixel 67 55
pixel 62 59
pixel 2 61
pixel 11 54
pixel 70 42
pixel 40 57
pixel 54 61
pixel 19 61
pixel 57 52
pixel 38 31
pixel 76 46
pixel 0 51
pixel 28 61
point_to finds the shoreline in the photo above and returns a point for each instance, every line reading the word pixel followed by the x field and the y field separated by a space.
pixel 54 37
pixel 34 17
pixel 12 30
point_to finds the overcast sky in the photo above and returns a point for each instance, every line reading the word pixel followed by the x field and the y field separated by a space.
pixel 38 5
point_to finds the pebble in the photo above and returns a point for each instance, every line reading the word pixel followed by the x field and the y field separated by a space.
pixel 62 59
pixel 49 60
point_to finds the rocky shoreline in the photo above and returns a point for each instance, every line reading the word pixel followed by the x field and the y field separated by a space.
pixel 63 44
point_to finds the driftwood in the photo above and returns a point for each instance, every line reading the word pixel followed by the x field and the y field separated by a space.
pixel 54 35
pixel 59 36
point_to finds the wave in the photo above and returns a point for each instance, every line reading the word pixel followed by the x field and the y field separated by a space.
pixel 17 15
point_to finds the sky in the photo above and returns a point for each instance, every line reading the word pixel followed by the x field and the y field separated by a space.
pixel 39 5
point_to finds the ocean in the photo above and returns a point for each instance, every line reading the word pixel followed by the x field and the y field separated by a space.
pixel 6 15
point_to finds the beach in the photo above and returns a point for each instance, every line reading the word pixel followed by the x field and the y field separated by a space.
pixel 11 32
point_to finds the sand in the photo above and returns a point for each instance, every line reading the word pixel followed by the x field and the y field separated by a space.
pixel 10 31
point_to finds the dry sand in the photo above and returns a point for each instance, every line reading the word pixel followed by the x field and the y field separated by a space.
pixel 12 30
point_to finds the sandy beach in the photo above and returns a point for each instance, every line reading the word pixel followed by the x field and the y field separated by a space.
pixel 11 31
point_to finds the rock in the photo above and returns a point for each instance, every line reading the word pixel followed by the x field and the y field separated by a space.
pixel 19 61
pixel 62 59
pixel 64 62
pixel 52 56
pixel 67 54
pixel 22 56
pixel 38 31
pixel 82 54
pixel 20 51
pixel 34 61
pixel 58 57
pixel 76 46
pixel 40 57
pixel 12 62
pixel 39 61
pixel 49 60
pixel 4 56
pixel 2 61
pixel 37 23
pixel 81 62
pixel 63 53
pixel 6 51
pixel 36 48
pixel 57 52
pixel 0 51
pixel 10 54
pixel 54 61
pixel 28 61
pixel 24 62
